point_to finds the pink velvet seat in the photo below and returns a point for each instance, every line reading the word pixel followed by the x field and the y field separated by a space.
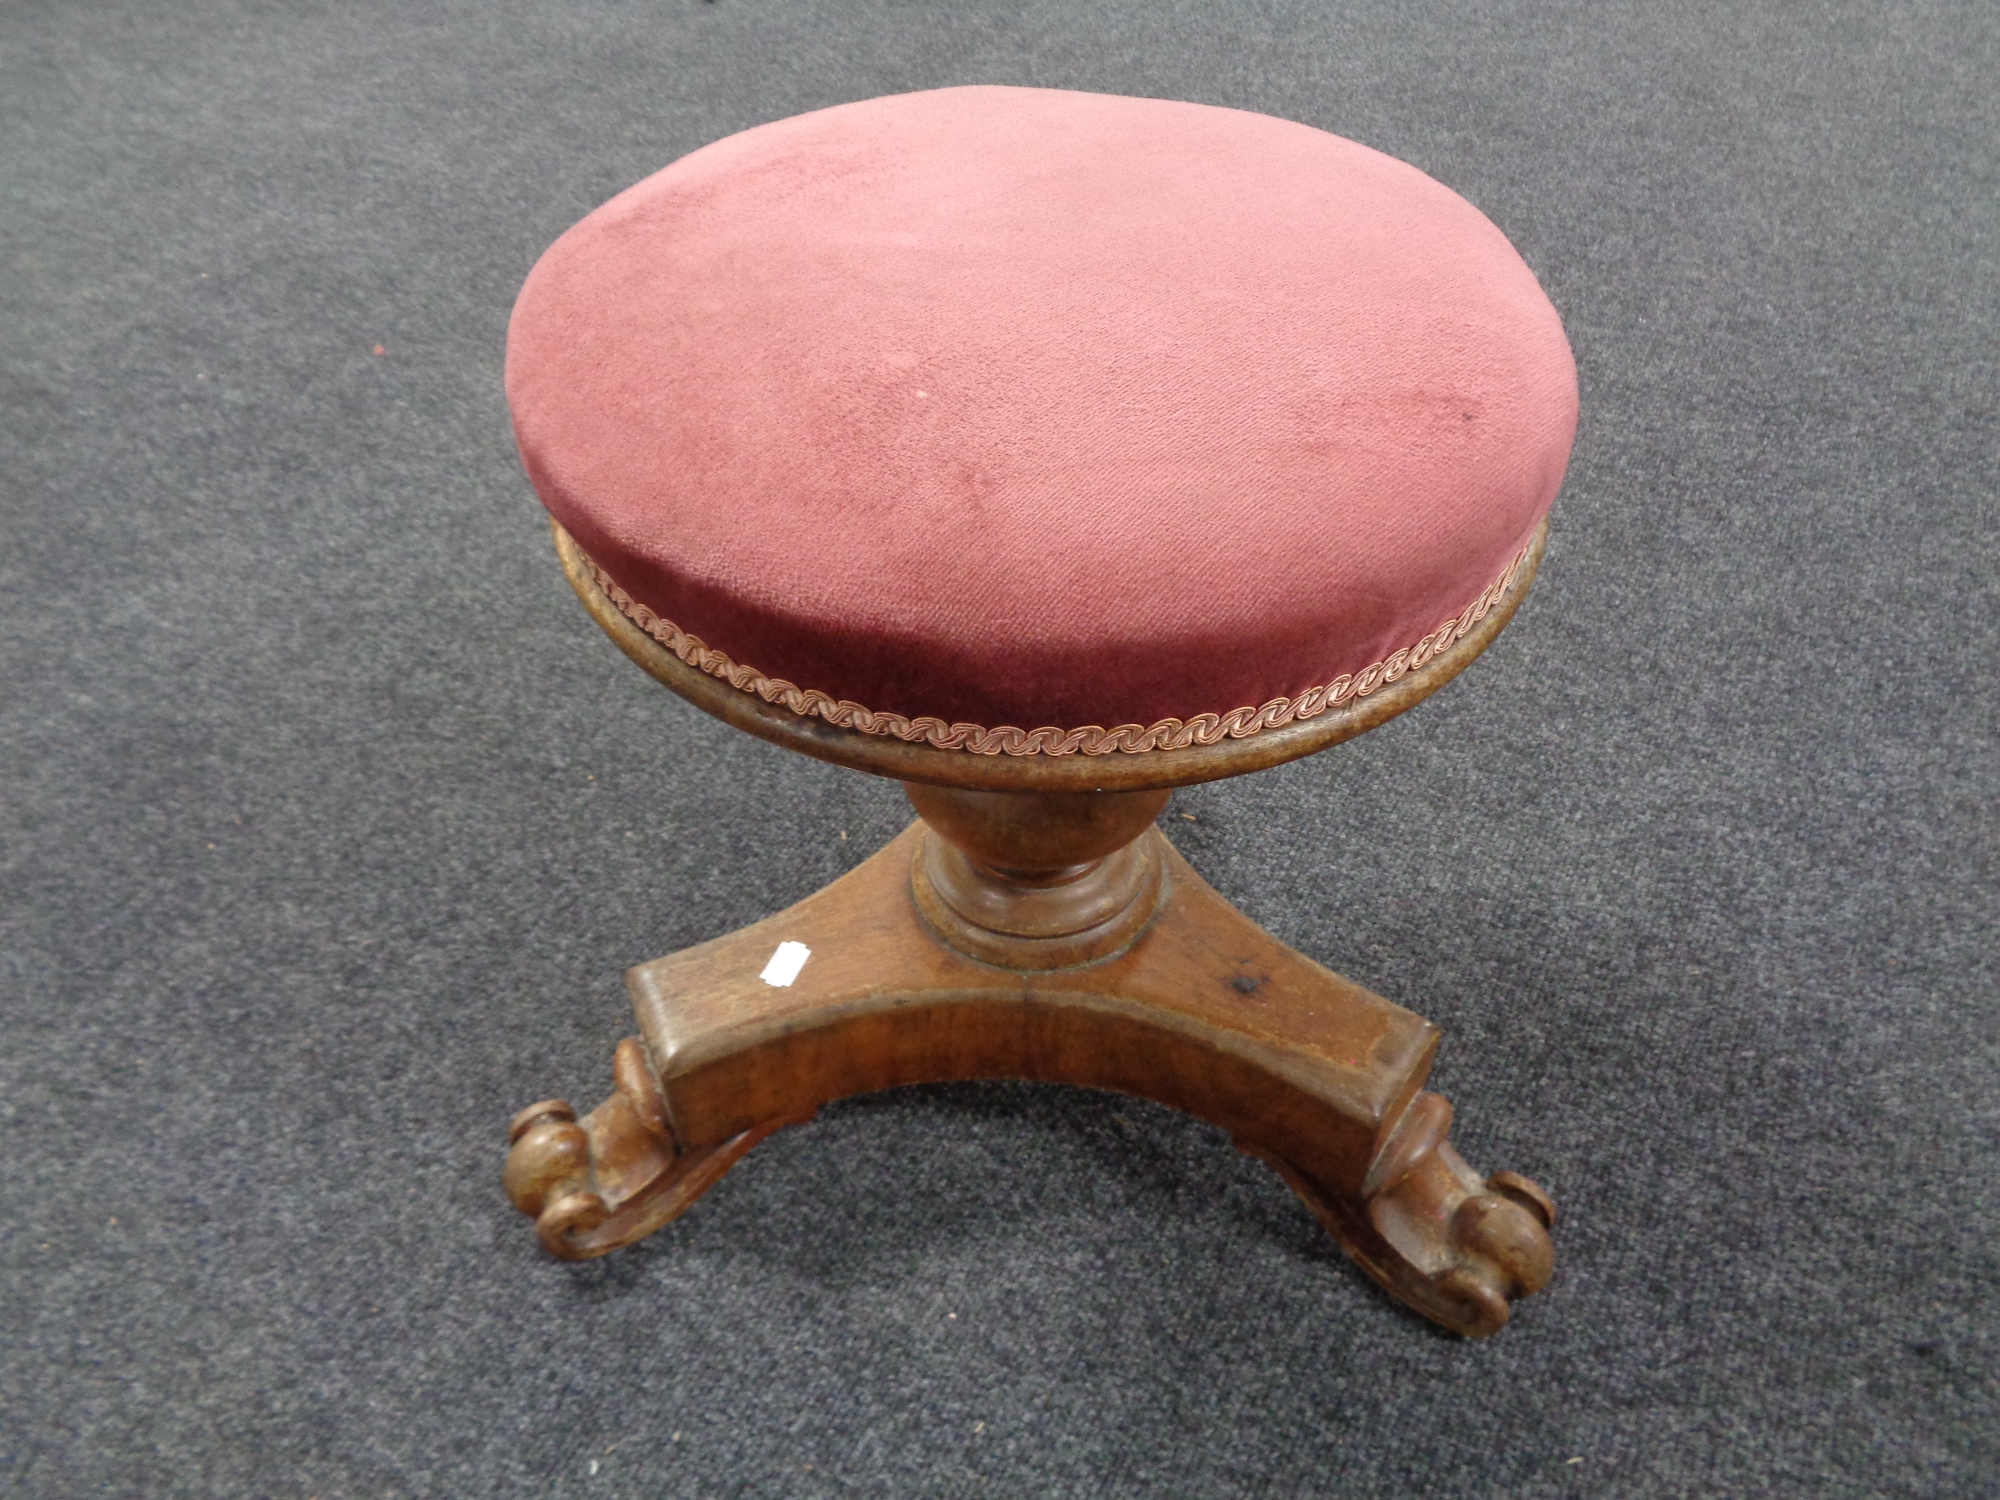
pixel 995 407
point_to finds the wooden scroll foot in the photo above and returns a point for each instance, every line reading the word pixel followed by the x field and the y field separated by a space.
pixel 599 1183
pixel 1430 1232
pixel 1091 955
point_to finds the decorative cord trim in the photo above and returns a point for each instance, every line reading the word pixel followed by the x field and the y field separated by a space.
pixel 1091 739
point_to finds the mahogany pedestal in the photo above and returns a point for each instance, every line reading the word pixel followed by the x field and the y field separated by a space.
pixel 1036 924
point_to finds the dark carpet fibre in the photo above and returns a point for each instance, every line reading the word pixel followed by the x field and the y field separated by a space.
pixel 330 820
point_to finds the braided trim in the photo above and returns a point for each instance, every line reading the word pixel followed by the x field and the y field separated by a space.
pixel 1091 739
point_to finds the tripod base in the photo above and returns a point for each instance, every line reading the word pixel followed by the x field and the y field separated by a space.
pixel 1173 995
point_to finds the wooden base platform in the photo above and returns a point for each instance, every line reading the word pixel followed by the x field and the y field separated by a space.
pixel 1059 938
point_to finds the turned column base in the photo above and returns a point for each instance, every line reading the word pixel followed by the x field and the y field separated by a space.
pixel 1135 975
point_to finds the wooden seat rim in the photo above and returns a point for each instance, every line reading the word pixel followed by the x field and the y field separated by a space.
pixel 901 760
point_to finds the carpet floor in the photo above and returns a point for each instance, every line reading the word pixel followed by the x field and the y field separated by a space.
pixel 330 821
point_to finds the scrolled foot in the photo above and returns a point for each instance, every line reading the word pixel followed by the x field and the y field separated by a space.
pixel 548 1164
pixel 1458 1249
pixel 615 1176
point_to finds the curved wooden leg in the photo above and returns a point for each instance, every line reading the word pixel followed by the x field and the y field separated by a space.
pixel 599 1183
pixel 1130 973
pixel 1431 1233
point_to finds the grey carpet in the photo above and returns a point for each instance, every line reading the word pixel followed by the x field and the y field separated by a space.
pixel 330 821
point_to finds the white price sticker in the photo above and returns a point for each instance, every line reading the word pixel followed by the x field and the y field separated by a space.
pixel 785 964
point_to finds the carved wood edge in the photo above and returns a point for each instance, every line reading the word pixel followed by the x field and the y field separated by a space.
pixel 597 1184
pixel 1118 771
pixel 1429 1231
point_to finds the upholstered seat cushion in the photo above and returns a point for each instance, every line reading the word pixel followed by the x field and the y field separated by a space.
pixel 1025 407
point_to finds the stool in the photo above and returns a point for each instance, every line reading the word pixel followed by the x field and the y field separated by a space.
pixel 1044 451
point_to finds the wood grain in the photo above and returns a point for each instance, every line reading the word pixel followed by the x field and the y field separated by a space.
pixel 1198 1008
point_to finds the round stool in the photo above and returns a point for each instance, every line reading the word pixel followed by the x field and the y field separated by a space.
pixel 1044 451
